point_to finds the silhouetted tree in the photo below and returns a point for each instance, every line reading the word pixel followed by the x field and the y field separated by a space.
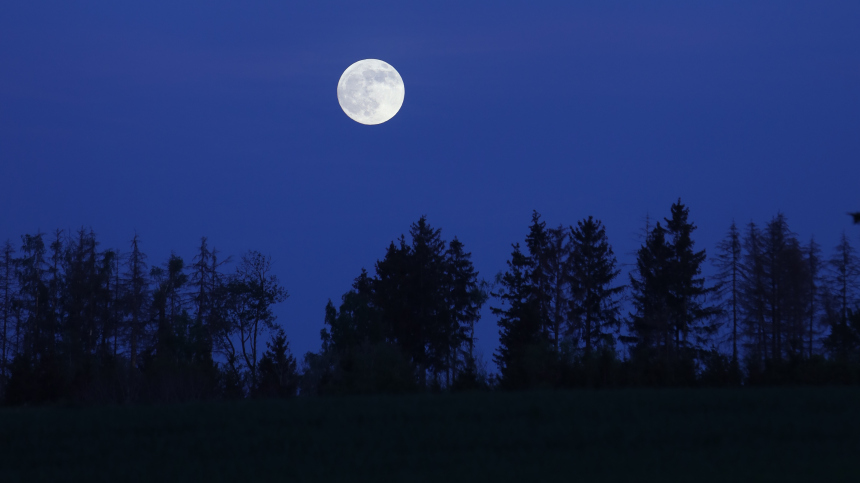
pixel 844 272
pixel 277 376
pixel 465 297
pixel 594 307
pixel 540 256
pixel 688 309
pixel 205 282
pixel 729 265
pixel 357 356
pixel 251 292
pixel 523 344
pixel 558 281
pixel 137 299
pixel 649 325
pixel 7 294
pixel 34 298
pixel 813 260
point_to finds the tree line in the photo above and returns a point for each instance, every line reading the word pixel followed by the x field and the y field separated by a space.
pixel 84 324
pixel 90 325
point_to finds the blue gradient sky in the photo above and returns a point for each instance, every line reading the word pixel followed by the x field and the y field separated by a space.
pixel 183 119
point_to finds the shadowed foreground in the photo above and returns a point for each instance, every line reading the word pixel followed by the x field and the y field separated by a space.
pixel 682 435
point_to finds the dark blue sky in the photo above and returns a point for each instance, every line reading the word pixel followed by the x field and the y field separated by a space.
pixel 184 119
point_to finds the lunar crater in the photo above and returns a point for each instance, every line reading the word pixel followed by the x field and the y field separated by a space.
pixel 370 91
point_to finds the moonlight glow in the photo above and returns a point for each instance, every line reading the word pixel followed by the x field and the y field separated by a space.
pixel 370 91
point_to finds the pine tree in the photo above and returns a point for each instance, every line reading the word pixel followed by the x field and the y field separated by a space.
pixel 594 307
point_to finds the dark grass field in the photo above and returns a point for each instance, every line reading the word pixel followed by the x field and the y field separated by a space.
pixel 786 434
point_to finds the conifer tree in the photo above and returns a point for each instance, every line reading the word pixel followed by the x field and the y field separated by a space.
pixel 34 297
pixel 277 376
pixel 200 282
pixel 688 309
pixel 729 265
pixel 206 283
pixel 137 299
pixel 813 258
pixel 522 339
pixel 427 293
pixel 594 307
pixel 538 244
pixel 650 329
pixel 775 240
pixel 844 274
pixel 464 300
pixel 7 293
pixel 558 283
pixel 357 321
pixel 167 311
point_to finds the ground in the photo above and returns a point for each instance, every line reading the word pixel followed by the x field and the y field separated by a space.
pixel 779 434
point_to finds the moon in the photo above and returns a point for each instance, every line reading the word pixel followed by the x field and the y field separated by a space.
pixel 370 91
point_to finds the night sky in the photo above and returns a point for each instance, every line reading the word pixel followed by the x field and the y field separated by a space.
pixel 177 120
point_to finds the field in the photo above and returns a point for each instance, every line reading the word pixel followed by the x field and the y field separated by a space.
pixel 785 434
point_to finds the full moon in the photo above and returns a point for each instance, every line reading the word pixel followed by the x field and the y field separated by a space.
pixel 370 91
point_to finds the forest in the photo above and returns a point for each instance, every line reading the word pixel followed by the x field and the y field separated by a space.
pixel 94 326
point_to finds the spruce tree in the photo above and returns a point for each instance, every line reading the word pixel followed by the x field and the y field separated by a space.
pixel 34 297
pixel 728 262
pixel 464 300
pixel 277 376
pixel 844 275
pixel 522 339
pixel 7 294
pixel 137 300
pixel 538 244
pixel 558 283
pixel 427 291
pixel 688 309
pixel 754 298
pixel 813 258
pixel 594 306
pixel 649 325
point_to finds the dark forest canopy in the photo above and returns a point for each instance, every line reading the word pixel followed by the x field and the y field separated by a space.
pixel 81 323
